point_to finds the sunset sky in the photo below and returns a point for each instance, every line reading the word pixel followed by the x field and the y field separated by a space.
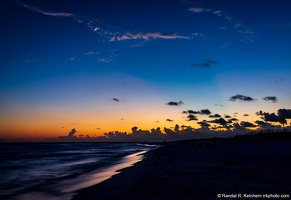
pixel 110 65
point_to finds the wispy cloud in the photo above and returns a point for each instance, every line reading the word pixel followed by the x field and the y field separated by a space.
pixel 147 36
pixel 71 59
pixel 91 53
pixel 246 32
pixel 207 10
pixel 115 99
pixel 206 63
pixel 54 14
pixel 105 59
pixel 199 10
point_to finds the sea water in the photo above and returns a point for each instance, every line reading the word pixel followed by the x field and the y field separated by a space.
pixel 57 170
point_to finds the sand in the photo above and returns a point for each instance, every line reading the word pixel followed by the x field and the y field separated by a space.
pixel 204 169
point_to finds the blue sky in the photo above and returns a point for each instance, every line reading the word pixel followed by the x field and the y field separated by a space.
pixel 63 62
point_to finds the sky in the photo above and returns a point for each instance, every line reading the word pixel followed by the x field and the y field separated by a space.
pixel 109 65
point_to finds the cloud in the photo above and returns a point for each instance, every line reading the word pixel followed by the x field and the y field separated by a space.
pixel 71 59
pixel 205 112
pixel 174 103
pixel 271 117
pixel 191 118
pixel 199 10
pixel 241 98
pixel 246 33
pixel 115 99
pixel 220 121
pixel 206 63
pixel 284 113
pixel 169 120
pixel 70 136
pixel 105 60
pixel 246 115
pixel 190 112
pixel 259 122
pixel 247 124
pixel 54 14
pixel 271 98
pixel 201 112
pixel 91 53
pixel 203 124
pixel 227 116
pixel 218 13
pixel 147 36
pixel 218 105
pixel 215 116
pixel 233 119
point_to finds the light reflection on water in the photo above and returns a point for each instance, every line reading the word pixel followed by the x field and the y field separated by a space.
pixel 97 176
pixel 64 190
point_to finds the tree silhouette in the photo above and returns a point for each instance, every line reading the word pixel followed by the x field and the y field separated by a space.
pixel 283 121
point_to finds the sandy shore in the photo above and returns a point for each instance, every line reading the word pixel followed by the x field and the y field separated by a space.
pixel 202 170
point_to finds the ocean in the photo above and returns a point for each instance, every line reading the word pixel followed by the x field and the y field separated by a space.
pixel 57 170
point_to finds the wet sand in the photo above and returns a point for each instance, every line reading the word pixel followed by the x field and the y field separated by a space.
pixel 203 169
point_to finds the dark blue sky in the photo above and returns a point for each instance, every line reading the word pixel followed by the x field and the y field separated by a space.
pixel 63 61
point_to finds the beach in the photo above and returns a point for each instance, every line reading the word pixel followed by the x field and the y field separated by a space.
pixel 204 169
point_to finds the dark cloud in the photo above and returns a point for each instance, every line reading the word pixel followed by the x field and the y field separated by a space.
pixel 270 117
pixel 169 120
pixel 220 121
pixel 191 118
pixel 205 112
pixel 174 103
pixel 259 113
pixel 271 98
pixel 206 63
pixel 241 98
pixel 190 112
pixel 115 99
pixel 201 112
pixel 247 124
pixel 259 122
pixel 215 116
pixel 227 116
pixel 233 119
pixel 246 115
pixel 203 124
pixel 284 113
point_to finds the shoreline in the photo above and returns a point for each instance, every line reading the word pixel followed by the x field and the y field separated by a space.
pixel 200 169
pixel 121 181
